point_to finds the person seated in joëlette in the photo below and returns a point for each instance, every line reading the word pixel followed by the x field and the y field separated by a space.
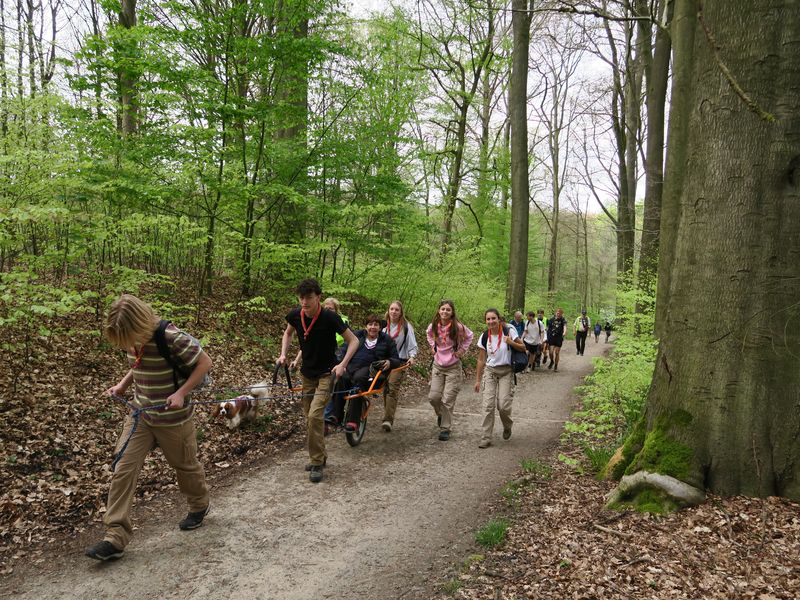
pixel 376 352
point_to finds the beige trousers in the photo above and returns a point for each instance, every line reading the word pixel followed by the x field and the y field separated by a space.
pixel 396 378
pixel 498 393
pixel 315 397
pixel 179 445
pixel 445 385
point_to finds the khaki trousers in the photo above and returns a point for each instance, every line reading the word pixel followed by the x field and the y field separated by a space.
pixel 498 392
pixel 390 397
pixel 445 385
pixel 315 396
pixel 179 445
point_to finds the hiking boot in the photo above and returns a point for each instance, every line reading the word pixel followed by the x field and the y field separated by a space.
pixel 387 426
pixel 555 369
pixel 309 465
pixel 104 550
pixel 550 366
pixel 193 520
pixel 506 433
pixel 315 476
pixel 351 427
pixel 444 435
pixel 484 444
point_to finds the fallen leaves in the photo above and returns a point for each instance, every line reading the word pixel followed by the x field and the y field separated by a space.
pixel 564 544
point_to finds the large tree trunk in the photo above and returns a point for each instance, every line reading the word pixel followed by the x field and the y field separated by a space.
pixel 518 97
pixel 722 412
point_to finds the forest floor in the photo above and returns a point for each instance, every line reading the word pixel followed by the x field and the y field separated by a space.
pixel 396 517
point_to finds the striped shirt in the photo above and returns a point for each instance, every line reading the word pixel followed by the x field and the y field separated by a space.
pixel 152 378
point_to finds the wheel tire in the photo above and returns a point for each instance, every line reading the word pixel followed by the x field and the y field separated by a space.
pixel 354 438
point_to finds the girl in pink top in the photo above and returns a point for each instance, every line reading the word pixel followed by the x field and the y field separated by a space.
pixel 449 340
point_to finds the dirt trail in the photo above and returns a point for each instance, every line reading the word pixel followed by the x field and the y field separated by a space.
pixel 388 515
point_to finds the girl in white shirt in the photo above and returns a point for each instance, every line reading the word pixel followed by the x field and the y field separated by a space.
pixel 496 374
pixel 401 331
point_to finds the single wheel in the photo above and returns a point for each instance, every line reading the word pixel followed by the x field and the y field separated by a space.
pixel 354 438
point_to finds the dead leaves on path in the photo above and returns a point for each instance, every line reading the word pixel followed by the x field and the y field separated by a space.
pixel 562 543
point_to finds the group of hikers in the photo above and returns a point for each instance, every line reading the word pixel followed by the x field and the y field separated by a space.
pixel 330 351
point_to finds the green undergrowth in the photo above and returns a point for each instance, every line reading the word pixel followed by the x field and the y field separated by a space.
pixel 492 534
pixel 613 396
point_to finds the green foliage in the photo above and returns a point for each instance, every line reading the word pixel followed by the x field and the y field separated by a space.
pixel 598 457
pixel 614 395
pixel 451 586
pixel 536 468
pixel 492 534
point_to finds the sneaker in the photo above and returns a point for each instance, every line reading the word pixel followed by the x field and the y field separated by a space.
pixel 444 435
pixel 309 465
pixel 193 520
pixel 104 550
pixel 550 366
pixel 387 426
pixel 506 433
pixel 484 444
pixel 351 427
pixel 315 476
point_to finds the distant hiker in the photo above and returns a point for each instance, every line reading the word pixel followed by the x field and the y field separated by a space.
pixel 517 323
pixel 556 330
pixel 496 374
pixel 532 338
pixel 133 326
pixel 582 325
pixel 542 359
pixel 449 340
pixel 316 329
pixel 597 329
pixel 401 331
pixel 608 330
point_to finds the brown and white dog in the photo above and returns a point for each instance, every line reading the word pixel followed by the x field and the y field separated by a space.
pixel 242 408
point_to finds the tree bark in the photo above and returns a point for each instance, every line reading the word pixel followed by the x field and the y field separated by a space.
pixel 127 74
pixel 518 106
pixel 722 413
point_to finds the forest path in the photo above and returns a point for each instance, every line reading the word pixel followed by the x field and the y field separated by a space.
pixel 389 516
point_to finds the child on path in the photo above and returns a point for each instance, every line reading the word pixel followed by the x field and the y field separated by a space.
pixel 449 340
pixel 496 374
pixel 316 328
pixel 131 325
pixel 402 332
pixel 597 329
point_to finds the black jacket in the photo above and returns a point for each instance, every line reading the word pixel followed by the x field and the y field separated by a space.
pixel 384 349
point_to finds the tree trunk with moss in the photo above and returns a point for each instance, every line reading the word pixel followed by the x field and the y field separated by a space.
pixel 722 412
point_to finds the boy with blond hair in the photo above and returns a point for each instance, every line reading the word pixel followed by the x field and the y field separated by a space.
pixel 160 391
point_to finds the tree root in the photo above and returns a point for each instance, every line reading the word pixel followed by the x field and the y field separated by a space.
pixel 679 492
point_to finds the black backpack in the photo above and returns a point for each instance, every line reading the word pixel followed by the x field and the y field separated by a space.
pixel 519 358
pixel 166 354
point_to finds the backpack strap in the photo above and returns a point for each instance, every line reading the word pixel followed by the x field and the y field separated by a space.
pixel 163 349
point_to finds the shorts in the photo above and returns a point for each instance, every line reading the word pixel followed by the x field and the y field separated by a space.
pixel 555 342
pixel 532 348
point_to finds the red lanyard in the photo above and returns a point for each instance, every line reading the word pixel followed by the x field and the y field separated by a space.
pixel 396 333
pixel 443 330
pixel 489 342
pixel 139 356
pixel 307 330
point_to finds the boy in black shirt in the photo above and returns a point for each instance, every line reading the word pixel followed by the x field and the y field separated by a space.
pixel 556 330
pixel 316 328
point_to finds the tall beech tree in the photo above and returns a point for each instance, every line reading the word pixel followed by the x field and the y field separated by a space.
pixel 518 106
pixel 721 413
